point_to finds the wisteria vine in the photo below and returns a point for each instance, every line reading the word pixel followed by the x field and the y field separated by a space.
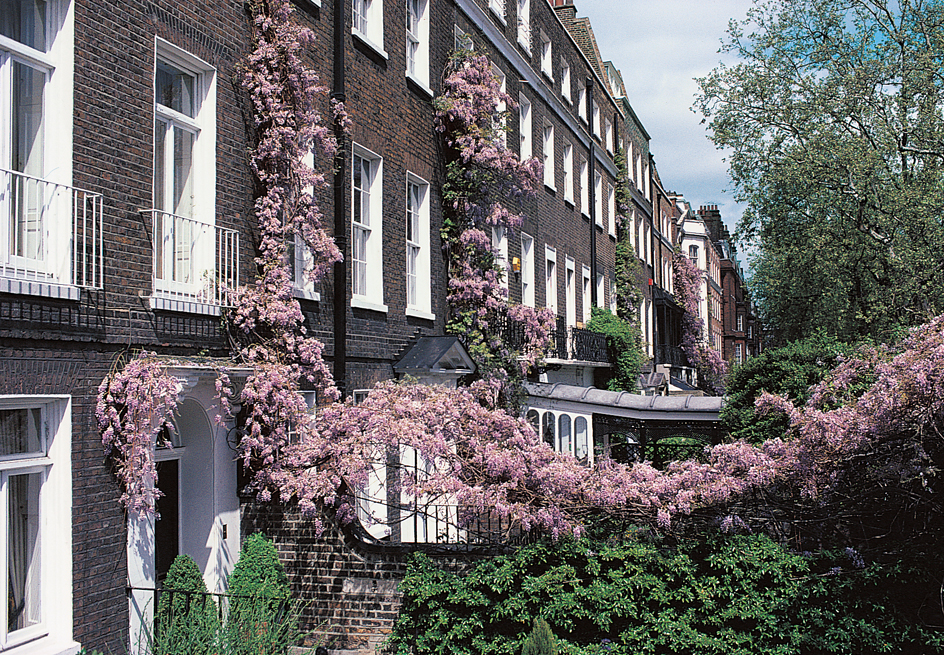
pixel 711 367
pixel 266 326
pixel 485 180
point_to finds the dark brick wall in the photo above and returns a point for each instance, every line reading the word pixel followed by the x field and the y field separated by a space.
pixel 349 596
pixel 99 572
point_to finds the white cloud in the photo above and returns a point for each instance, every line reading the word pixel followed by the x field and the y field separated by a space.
pixel 660 47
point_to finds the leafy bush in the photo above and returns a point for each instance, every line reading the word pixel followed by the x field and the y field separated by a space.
pixel 186 621
pixel 259 620
pixel 624 342
pixel 789 371
pixel 541 641
pixel 732 595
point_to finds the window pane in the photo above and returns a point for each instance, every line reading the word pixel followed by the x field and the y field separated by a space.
pixel 547 433
pixel 580 430
pixel 183 172
pixel 160 132
pixel 174 88
pixel 564 433
pixel 23 557
pixel 20 432
pixel 24 21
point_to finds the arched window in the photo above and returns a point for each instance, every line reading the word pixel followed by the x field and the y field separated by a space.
pixel 547 433
pixel 534 419
pixel 563 433
pixel 580 431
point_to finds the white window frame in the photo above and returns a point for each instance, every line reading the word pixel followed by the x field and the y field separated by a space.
pixel 565 81
pixel 497 7
pixel 613 307
pixel 300 257
pixel 419 303
pixel 585 276
pixel 202 248
pixel 570 290
pixel 371 295
pixel 54 268
pixel 611 209
pixel 461 39
pixel 547 56
pixel 598 197
pixel 524 127
pixel 524 24
pixel 584 188
pixel 417 43
pixel 550 279
pixel 500 251
pixel 738 354
pixel 52 633
pixel 567 170
pixel 582 103
pixel 595 108
pixel 501 114
pixel 608 135
pixel 548 152
pixel 527 270
pixel 601 290
pixel 740 323
pixel 367 24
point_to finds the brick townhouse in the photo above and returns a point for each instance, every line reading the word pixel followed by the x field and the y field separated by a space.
pixel 126 190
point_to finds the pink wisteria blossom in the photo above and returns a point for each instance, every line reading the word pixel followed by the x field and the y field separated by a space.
pixel 712 369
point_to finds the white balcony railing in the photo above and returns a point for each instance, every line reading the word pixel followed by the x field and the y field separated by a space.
pixel 52 241
pixel 195 263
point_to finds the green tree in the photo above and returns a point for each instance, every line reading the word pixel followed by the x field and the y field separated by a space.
pixel 788 371
pixel 834 119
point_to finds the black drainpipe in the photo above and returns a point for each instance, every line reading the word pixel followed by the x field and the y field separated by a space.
pixel 340 215
pixel 591 180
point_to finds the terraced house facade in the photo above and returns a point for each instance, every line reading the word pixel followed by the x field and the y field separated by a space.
pixel 128 201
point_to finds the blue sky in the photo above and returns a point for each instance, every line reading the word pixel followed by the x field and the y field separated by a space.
pixel 660 46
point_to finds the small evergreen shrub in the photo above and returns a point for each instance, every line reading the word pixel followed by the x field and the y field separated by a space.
pixel 259 621
pixel 186 621
pixel 541 641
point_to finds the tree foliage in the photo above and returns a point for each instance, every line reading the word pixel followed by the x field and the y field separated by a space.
pixel 541 641
pixel 788 371
pixel 834 119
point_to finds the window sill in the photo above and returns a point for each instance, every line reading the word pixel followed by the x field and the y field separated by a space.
pixel 585 214
pixel 303 294
pixel 25 287
pixel 548 76
pixel 569 202
pixel 550 188
pixel 366 40
pixel 422 86
pixel 415 312
pixel 45 646
pixel 360 302
pixel 313 3
pixel 525 45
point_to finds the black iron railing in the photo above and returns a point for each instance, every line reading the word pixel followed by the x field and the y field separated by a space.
pixel 671 355
pixel 571 343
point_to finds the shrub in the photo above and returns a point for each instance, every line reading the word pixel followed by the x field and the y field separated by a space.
pixel 541 641
pixel 259 621
pixel 186 621
pixel 624 342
